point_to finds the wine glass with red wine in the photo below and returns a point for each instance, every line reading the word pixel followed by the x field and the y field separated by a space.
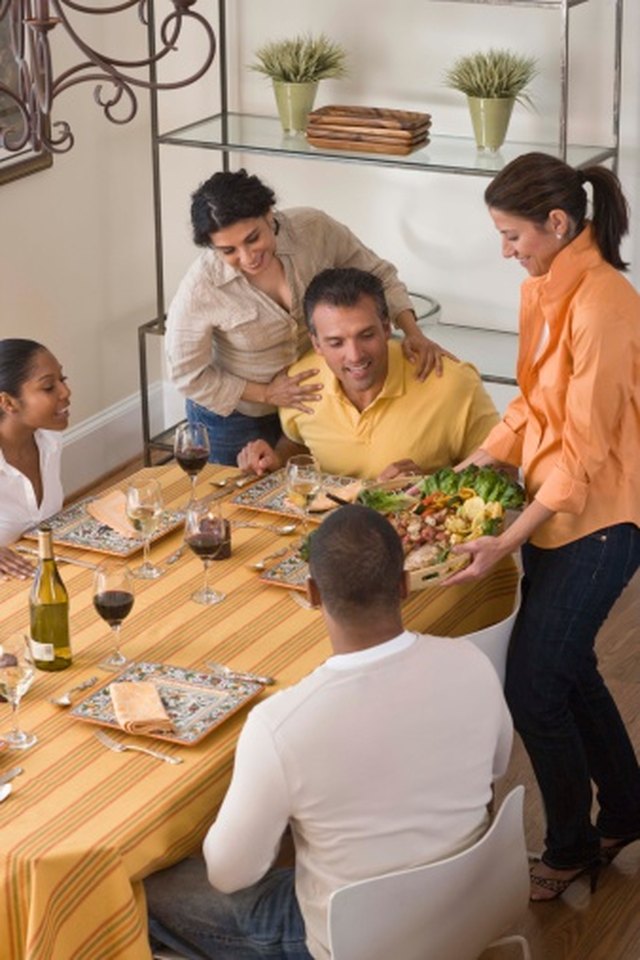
pixel 191 448
pixel 113 600
pixel 205 532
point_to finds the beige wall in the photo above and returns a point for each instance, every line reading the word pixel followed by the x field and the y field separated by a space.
pixel 76 248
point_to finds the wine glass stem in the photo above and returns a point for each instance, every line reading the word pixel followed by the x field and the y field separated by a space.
pixel 115 629
pixel 145 556
pixel 16 733
pixel 205 584
pixel 193 478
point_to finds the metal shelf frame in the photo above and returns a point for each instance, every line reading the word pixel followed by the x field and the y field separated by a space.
pixel 228 132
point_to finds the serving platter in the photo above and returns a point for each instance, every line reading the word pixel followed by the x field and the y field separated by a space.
pixel 269 494
pixel 197 701
pixel 75 527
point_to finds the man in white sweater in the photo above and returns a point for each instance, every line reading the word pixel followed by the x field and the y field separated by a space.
pixel 382 758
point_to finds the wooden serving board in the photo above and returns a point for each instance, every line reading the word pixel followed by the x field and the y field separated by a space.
pixel 373 134
pixel 366 146
pixel 369 117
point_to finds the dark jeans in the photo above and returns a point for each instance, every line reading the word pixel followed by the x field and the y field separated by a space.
pixel 564 713
pixel 228 435
pixel 187 914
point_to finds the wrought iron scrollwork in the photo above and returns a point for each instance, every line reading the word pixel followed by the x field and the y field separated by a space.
pixel 33 23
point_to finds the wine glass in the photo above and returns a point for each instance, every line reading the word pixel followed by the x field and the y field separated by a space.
pixel 16 676
pixel 144 509
pixel 205 532
pixel 303 483
pixel 113 600
pixel 191 448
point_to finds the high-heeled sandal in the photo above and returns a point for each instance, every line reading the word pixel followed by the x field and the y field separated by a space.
pixel 557 885
pixel 611 851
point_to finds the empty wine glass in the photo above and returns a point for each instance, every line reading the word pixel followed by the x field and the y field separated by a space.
pixel 113 600
pixel 16 676
pixel 191 448
pixel 205 532
pixel 144 510
pixel 303 483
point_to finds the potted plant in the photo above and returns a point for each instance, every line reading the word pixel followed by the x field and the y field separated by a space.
pixel 295 67
pixel 493 82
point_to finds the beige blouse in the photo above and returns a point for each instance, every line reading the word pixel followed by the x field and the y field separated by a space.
pixel 222 331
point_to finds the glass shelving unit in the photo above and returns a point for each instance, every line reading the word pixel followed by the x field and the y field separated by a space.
pixel 228 132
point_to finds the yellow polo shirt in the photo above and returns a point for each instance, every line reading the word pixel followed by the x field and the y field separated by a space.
pixel 436 423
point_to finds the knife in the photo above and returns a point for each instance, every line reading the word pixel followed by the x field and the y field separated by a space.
pixel 10 775
pixel 60 558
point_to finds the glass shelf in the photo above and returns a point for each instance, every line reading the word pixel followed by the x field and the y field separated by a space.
pixel 493 352
pixel 248 133
pixel 548 4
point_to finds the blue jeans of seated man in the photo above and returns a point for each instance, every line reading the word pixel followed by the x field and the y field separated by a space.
pixel 187 914
pixel 561 707
pixel 228 435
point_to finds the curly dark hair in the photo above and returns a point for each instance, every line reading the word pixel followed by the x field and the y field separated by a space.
pixel 224 199
pixel 534 184
pixel 356 559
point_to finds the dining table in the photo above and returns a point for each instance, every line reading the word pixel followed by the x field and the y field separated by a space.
pixel 84 825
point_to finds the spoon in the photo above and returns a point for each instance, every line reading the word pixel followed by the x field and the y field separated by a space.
pixel 5 791
pixel 261 565
pixel 240 481
pixel 222 670
pixel 283 530
pixel 64 700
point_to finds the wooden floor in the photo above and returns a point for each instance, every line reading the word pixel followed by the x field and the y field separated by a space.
pixel 578 926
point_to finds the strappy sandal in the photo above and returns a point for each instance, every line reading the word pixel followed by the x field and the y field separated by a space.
pixel 611 851
pixel 556 886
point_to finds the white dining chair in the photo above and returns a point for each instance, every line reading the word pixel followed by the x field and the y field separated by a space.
pixel 449 910
pixel 494 640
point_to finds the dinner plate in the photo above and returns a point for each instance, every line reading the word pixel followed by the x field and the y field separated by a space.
pixel 197 701
pixel 270 494
pixel 75 527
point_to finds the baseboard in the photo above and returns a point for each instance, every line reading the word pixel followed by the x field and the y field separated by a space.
pixel 104 442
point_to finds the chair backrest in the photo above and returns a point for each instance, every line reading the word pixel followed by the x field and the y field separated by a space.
pixel 494 640
pixel 448 910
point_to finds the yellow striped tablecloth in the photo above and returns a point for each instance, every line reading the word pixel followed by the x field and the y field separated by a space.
pixel 84 825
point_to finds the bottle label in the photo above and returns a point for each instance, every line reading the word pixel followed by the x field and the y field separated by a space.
pixel 42 651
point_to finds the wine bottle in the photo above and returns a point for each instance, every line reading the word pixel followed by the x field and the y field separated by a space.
pixel 49 609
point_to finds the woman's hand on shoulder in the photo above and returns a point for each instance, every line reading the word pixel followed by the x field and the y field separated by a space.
pixel 425 354
pixel 12 565
pixel 286 391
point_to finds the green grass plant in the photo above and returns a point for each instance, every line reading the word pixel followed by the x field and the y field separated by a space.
pixel 495 74
pixel 302 59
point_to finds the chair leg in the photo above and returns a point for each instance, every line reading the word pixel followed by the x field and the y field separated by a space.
pixel 514 938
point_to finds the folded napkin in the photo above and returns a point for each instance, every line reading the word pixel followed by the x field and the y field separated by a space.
pixel 138 707
pixel 349 492
pixel 111 511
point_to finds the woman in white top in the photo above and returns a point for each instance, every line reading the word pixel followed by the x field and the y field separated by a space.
pixel 34 408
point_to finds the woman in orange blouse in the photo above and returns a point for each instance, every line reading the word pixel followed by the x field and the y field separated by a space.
pixel 575 431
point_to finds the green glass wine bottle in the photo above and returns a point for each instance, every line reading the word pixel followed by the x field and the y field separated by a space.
pixel 49 609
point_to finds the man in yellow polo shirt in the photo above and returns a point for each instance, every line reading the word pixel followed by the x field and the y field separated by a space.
pixel 373 417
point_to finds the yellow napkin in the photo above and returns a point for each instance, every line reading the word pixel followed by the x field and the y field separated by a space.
pixel 111 510
pixel 138 707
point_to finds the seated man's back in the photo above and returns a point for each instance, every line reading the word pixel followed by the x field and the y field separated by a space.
pixel 380 760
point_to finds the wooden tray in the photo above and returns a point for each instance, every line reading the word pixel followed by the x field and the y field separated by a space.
pixel 366 146
pixel 364 133
pixel 369 117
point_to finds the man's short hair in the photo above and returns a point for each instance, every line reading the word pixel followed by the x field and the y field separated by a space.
pixel 356 559
pixel 343 287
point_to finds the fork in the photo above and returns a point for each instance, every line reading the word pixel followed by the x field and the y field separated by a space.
pixel 112 744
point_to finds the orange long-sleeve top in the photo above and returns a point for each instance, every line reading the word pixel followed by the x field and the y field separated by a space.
pixel 575 427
